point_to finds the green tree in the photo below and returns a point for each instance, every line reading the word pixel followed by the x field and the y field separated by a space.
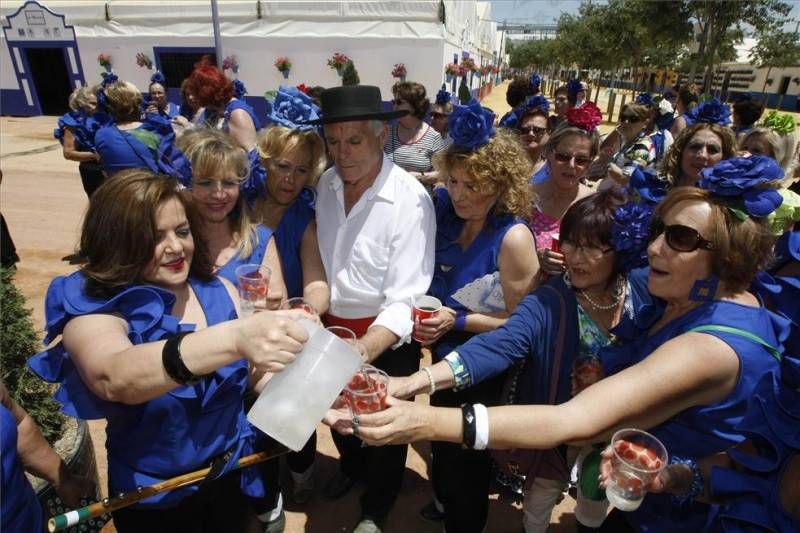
pixel 350 74
pixel 775 48
pixel 722 25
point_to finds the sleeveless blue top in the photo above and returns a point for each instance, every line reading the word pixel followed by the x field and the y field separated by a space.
pixel 228 271
pixel 19 508
pixel 120 150
pixel 289 237
pixel 83 128
pixel 541 175
pixel 178 432
pixel 232 106
pixel 703 430
pixel 466 280
pixel 772 423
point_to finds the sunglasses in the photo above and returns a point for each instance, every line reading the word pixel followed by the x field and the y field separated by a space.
pixel 532 130
pixel 712 149
pixel 589 252
pixel 631 119
pixel 679 237
pixel 580 161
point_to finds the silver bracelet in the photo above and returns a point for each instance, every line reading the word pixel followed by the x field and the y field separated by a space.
pixel 427 370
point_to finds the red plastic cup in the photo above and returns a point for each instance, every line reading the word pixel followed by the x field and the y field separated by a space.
pixel 586 371
pixel 366 391
pixel 253 283
pixel 424 307
pixel 299 303
pixel 556 245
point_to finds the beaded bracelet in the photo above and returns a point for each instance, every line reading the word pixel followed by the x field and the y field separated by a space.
pixel 695 489
pixel 427 370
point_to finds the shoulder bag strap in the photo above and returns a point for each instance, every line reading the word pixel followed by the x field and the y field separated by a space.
pixel 742 333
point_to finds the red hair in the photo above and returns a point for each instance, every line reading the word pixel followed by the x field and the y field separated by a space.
pixel 210 86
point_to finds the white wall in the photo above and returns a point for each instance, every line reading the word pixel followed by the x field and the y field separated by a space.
pixel 8 80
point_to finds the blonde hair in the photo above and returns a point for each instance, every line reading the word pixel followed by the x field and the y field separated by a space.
pixel 209 151
pixel 79 98
pixel 124 101
pixel 502 167
pixel 782 147
pixel 277 140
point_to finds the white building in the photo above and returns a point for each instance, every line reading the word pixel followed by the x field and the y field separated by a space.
pixel 51 47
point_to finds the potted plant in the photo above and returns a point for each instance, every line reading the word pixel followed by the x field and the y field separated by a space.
pixel 337 62
pixel 399 71
pixel 69 436
pixel 469 64
pixel 143 60
pixel 284 65
pixel 105 61
pixel 230 63
pixel 451 70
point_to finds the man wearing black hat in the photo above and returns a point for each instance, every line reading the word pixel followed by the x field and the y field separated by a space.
pixel 376 229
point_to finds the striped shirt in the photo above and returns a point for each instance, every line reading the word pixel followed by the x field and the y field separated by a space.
pixel 416 156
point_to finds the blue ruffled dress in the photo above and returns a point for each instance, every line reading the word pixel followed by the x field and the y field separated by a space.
pixel 703 430
pixel 233 105
pixel 147 146
pixel 83 127
pixel 19 509
pixel 228 271
pixel 178 432
pixel 289 237
pixel 772 424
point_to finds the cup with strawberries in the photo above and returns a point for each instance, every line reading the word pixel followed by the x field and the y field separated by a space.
pixel 637 458
pixel 253 282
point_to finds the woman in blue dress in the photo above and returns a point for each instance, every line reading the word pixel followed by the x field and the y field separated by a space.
pixel 128 141
pixel 601 300
pixel 76 131
pixel 220 168
pixel 485 264
pixel 221 109
pixel 688 380
pixel 294 156
pixel 158 103
pixel 150 342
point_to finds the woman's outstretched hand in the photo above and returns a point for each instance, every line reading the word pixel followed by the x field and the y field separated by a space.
pixel 270 340
pixel 402 422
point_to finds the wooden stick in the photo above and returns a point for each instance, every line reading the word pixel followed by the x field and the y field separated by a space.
pixel 107 505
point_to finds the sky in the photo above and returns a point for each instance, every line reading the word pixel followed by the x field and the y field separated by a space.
pixel 548 11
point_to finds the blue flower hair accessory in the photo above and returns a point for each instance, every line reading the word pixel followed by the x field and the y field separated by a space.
pixel 629 231
pixel 471 126
pixel 537 102
pixel 159 78
pixel 646 186
pixel 102 101
pixel 255 185
pixel 443 97
pixel 292 108
pixel 108 79
pixel 645 99
pixel 535 81
pixel 574 86
pixel 746 183
pixel 710 112
pixel 239 90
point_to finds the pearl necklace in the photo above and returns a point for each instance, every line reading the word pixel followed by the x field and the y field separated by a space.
pixel 618 290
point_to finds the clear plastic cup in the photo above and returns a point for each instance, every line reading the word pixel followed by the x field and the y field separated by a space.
pixel 366 391
pixel 299 303
pixel 253 283
pixel 424 307
pixel 637 459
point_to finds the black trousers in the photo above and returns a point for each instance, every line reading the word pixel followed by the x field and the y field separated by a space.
pixel 461 478
pixel 219 506
pixel 91 176
pixel 381 468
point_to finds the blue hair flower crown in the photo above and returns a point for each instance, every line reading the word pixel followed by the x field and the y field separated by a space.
pixel 711 111
pixel 745 183
pixel 109 78
pixel 159 78
pixel 443 97
pixel 537 102
pixel 574 86
pixel 644 99
pixel 629 232
pixel 535 81
pixel 471 126
pixel 293 109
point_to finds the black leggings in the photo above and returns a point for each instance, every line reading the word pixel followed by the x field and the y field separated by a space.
pixel 91 176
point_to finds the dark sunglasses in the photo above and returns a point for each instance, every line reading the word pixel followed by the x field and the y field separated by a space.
pixel 679 237
pixel 580 161
pixel 532 130
pixel 631 119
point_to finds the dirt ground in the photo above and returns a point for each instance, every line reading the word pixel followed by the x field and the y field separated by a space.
pixel 43 202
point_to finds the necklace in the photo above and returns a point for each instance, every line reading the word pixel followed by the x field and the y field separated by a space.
pixel 618 290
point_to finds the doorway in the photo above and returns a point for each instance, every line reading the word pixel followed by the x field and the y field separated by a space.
pixel 50 78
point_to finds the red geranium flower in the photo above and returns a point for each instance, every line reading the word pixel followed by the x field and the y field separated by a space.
pixel 302 88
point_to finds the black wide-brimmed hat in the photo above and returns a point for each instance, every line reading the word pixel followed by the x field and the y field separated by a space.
pixel 354 102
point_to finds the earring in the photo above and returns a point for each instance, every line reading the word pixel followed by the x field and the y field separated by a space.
pixel 704 290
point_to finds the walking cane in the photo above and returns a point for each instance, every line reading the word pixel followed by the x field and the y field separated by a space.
pixel 107 505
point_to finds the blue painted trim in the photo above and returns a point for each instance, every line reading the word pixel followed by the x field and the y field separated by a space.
pixel 37 4
pixel 12 102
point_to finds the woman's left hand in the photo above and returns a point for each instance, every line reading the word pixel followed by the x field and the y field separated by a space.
pixel 431 329
pixel 402 422
pixel 674 478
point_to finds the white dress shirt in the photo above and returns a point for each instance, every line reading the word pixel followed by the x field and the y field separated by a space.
pixel 379 256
